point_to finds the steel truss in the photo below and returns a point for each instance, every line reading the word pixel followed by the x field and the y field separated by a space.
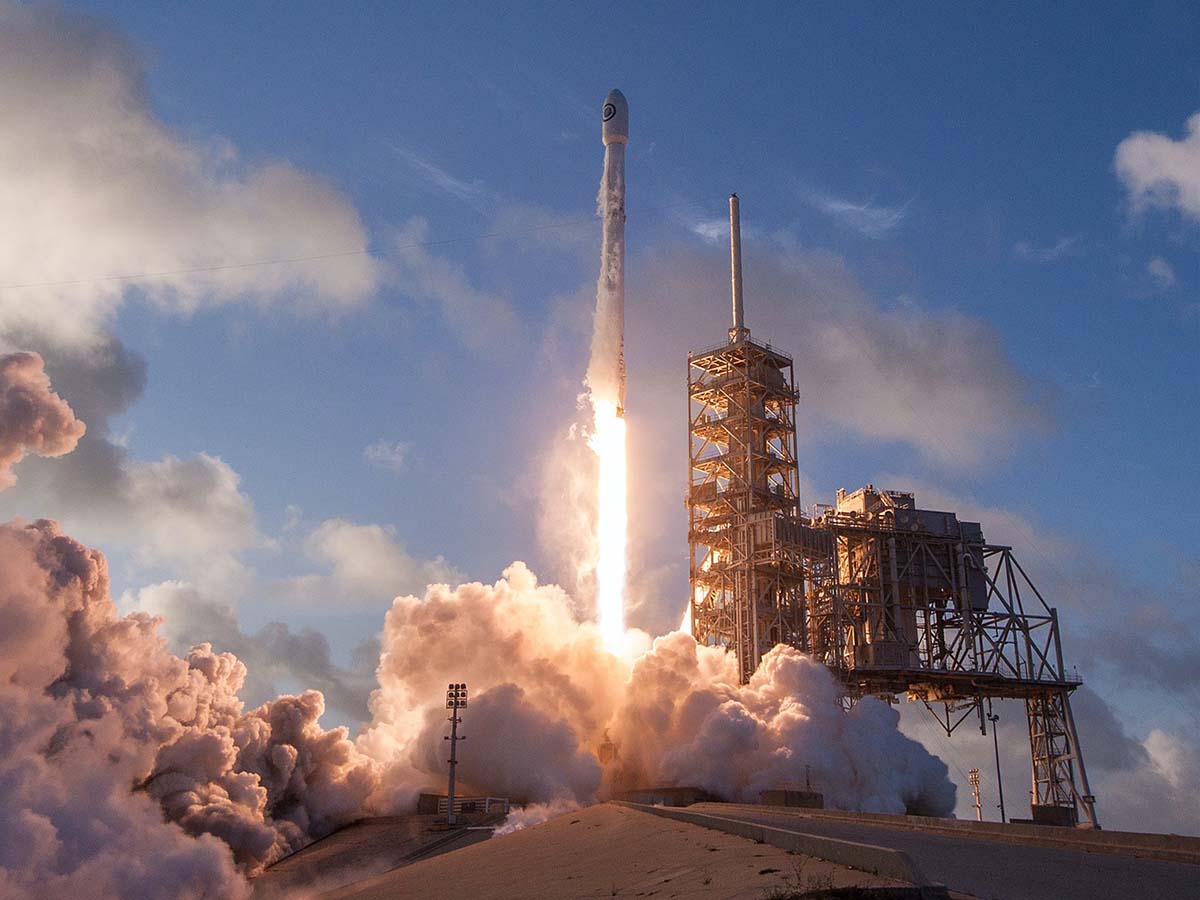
pixel 893 599
pixel 946 618
pixel 745 540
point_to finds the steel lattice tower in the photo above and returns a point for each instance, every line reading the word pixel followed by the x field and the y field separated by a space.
pixel 747 566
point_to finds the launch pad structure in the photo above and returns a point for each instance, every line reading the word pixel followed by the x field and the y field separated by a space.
pixel 892 598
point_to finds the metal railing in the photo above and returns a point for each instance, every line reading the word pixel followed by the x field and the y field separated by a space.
pixel 464 805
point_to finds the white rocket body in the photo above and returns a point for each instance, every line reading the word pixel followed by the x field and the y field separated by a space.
pixel 610 309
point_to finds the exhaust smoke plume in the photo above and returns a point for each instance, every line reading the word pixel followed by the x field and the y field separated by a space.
pixel 546 692
pixel 33 419
pixel 129 772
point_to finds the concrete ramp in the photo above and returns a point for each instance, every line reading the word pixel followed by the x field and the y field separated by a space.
pixel 610 851
pixel 358 851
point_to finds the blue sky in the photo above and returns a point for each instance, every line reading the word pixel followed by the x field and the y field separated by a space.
pixel 944 173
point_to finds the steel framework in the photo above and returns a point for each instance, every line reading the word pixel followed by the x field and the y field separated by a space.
pixel 892 598
pixel 916 602
pixel 746 551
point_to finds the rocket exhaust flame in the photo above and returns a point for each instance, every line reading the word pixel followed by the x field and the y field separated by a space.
pixel 606 379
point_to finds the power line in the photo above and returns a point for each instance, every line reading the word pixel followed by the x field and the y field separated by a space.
pixel 172 272
pixel 362 251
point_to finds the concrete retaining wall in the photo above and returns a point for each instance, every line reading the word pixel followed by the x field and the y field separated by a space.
pixel 1170 847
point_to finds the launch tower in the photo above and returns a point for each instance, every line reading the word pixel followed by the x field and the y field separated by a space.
pixel 746 553
pixel 892 598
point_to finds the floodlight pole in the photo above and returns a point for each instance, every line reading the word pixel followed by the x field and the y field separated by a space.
pixel 456 699
pixel 994 718
pixel 973 778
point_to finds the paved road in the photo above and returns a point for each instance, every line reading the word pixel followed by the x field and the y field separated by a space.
pixel 996 870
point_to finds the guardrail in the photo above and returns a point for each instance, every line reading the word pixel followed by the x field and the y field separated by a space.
pixel 475 805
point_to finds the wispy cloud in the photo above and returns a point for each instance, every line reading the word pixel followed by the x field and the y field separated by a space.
pixel 388 454
pixel 869 219
pixel 484 319
pixel 712 231
pixel 437 177
pixel 1055 251
pixel 1161 273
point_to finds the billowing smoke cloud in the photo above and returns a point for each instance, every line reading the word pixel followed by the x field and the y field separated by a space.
pixel 112 747
pixel 685 720
pixel 33 419
pixel 188 513
pixel 546 694
pixel 276 652
pixel 128 771
pixel 494 637
pixel 566 528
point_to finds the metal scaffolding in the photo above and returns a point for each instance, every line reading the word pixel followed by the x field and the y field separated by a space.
pixel 892 598
pixel 916 602
pixel 747 557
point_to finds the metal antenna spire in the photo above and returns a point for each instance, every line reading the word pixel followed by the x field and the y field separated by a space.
pixel 739 330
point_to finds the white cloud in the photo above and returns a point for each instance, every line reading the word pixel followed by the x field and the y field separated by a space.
pixel 1160 171
pixel 366 564
pixel 388 454
pixel 435 175
pixel 182 512
pixel 939 380
pixel 1050 253
pixel 483 320
pixel 292 516
pixel 714 231
pixel 188 509
pixel 868 219
pixel 1161 273
pixel 96 186
pixel 276 656
pixel 33 419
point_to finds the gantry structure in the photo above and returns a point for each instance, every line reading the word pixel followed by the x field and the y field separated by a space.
pixel 746 556
pixel 893 599
pixel 747 569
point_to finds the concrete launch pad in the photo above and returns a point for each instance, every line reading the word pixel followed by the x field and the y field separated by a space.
pixel 606 851
pixel 611 850
pixel 362 849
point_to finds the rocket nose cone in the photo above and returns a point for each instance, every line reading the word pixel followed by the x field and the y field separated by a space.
pixel 614 119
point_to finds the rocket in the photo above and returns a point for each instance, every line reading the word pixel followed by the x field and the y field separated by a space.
pixel 614 119
pixel 614 131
